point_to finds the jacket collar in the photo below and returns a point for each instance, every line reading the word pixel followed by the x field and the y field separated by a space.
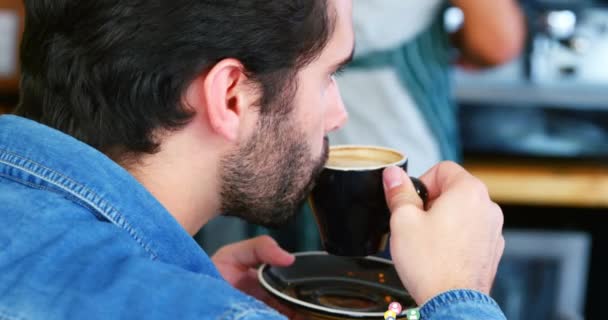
pixel 111 193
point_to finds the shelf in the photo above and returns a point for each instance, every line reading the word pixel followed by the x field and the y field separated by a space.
pixel 529 94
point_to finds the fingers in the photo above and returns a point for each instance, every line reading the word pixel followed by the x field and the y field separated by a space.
pixel 263 249
pixel 499 243
pixel 251 253
pixel 499 250
pixel 457 199
pixel 441 176
pixel 399 189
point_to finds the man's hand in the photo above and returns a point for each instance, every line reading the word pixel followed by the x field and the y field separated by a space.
pixel 238 264
pixel 456 244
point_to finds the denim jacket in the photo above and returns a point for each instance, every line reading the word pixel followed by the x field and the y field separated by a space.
pixel 82 239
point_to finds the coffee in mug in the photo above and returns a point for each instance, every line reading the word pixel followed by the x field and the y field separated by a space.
pixel 348 199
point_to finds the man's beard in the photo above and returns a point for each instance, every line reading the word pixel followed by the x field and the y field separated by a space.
pixel 267 180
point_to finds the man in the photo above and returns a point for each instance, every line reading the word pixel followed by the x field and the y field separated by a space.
pixel 398 89
pixel 150 119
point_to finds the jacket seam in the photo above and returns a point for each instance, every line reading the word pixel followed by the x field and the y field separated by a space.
pixel 27 183
pixel 44 188
pixel 112 214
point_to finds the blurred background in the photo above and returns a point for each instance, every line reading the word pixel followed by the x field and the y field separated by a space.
pixel 535 130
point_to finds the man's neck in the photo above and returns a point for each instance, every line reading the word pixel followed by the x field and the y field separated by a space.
pixel 184 179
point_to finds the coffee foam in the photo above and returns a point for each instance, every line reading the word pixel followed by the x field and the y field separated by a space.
pixel 362 158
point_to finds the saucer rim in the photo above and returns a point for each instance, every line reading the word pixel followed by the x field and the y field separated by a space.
pixel 315 307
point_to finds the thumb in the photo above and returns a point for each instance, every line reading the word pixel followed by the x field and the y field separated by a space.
pixel 399 189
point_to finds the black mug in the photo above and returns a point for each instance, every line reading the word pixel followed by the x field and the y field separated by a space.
pixel 348 200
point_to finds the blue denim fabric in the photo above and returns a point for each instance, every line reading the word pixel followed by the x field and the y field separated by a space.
pixel 82 239
pixel 461 305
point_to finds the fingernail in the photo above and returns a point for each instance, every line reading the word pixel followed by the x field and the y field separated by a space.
pixel 393 177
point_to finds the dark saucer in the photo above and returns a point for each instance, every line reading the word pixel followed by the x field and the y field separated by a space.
pixel 327 286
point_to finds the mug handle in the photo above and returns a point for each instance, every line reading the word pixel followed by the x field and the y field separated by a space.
pixel 421 190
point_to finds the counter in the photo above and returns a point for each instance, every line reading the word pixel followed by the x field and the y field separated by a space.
pixel 544 182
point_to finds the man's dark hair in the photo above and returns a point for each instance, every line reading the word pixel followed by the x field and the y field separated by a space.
pixel 112 72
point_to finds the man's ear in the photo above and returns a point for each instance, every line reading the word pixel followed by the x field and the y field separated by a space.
pixel 222 95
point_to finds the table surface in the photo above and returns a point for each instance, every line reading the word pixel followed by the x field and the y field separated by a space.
pixel 544 182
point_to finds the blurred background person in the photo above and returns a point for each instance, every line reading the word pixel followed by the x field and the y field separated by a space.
pixel 398 89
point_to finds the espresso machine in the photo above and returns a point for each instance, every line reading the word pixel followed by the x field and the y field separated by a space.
pixel 553 100
pixel 568 43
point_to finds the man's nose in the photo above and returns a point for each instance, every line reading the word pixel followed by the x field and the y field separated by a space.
pixel 336 114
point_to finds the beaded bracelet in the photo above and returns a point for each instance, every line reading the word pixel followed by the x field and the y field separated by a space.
pixel 395 308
